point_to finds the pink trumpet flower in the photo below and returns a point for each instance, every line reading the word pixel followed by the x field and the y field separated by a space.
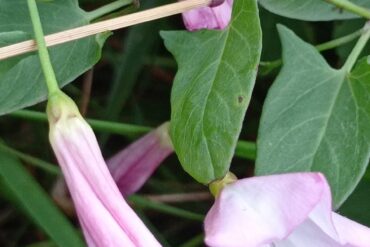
pixel 288 210
pixel 132 166
pixel 105 217
pixel 213 17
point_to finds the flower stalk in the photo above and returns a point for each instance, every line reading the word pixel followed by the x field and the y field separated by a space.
pixel 46 65
pixel 105 217
pixel 360 45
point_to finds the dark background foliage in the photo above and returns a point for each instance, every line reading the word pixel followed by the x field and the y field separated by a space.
pixel 132 84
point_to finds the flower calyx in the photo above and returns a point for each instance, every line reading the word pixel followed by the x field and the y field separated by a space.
pixel 216 186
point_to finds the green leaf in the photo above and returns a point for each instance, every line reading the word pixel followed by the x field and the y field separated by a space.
pixel 316 118
pixel 310 10
pixel 22 83
pixel 8 38
pixel 212 89
pixel 35 201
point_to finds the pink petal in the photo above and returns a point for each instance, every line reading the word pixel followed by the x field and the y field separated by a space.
pixel 352 233
pixel 262 210
pixel 208 17
pixel 325 228
pixel 105 217
pixel 132 167
pixel 289 210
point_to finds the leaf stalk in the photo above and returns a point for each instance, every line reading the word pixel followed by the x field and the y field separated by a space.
pixel 351 7
pixel 46 65
pixel 356 52
pixel 108 8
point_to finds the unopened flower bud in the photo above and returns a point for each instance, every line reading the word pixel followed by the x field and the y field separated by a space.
pixel 132 166
pixel 105 217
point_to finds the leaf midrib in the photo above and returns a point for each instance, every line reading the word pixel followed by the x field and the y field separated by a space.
pixel 330 113
pixel 219 61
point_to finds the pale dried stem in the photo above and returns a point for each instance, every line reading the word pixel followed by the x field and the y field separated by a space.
pixel 86 91
pixel 104 26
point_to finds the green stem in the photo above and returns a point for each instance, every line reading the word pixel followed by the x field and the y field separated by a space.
pixel 46 65
pixel 339 41
pixel 271 65
pixel 144 203
pixel 51 168
pixel 106 9
pixel 361 43
pixel 196 241
pixel 128 130
pixel 244 149
pixel 349 6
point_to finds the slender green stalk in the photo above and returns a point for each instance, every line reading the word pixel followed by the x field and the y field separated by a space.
pixel 46 65
pixel 144 203
pixel 339 41
pixel 271 65
pixel 128 130
pixel 361 43
pixel 194 242
pixel 106 9
pixel 349 6
pixel 245 149
pixel 51 168
pixel 30 115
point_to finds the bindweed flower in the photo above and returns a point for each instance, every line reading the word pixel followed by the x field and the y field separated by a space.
pixel 132 166
pixel 214 17
pixel 106 219
pixel 289 210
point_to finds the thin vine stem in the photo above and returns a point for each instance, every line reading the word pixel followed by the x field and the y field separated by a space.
pixel 144 203
pixel 107 9
pixel 349 6
pixel 321 47
pixel 244 149
pixel 339 41
pixel 194 242
pixel 46 65
pixel 128 130
pixel 361 43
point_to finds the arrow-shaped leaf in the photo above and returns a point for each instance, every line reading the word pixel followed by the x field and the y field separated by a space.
pixel 310 10
pixel 22 83
pixel 212 89
pixel 316 118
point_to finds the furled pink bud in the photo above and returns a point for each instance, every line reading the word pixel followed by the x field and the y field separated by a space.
pixel 288 210
pixel 132 166
pixel 106 219
pixel 216 17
